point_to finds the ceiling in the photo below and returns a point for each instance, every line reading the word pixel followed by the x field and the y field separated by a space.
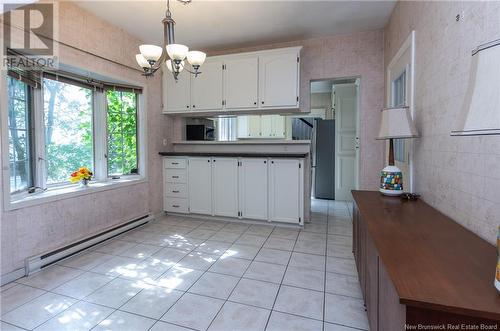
pixel 210 25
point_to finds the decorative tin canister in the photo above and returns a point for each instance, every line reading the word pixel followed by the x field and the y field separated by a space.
pixel 391 181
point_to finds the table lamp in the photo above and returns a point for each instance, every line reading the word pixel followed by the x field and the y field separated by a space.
pixel 396 124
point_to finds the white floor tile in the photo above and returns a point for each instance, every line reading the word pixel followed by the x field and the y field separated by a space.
pixel 38 311
pixel 242 251
pixel 251 240
pixel 238 317
pixel 198 261
pixel 297 301
pixel 178 278
pixel 213 247
pixel 163 326
pixel 343 285
pixel 281 321
pixel 17 296
pixel 275 256
pixel 310 261
pixel 193 311
pixel 122 321
pixel 214 285
pixel 152 302
pixel 115 293
pixel 50 277
pixel 230 266
pixel 280 243
pixel 82 285
pixel 266 272
pixel 341 266
pixel 305 278
pixel 86 260
pixel 346 311
pixel 255 293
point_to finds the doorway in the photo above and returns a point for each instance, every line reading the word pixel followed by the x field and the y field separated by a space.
pixel 332 126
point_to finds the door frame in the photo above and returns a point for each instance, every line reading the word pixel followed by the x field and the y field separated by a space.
pixel 359 83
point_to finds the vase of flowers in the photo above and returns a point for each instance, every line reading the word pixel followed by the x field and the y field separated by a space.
pixel 82 175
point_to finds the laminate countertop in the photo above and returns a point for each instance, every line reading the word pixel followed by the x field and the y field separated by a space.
pixel 433 262
pixel 231 154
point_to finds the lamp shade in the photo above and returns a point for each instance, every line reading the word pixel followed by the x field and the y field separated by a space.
pixel 397 123
pixel 151 52
pixel 171 69
pixel 141 60
pixel 177 51
pixel 480 114
pixel 196 58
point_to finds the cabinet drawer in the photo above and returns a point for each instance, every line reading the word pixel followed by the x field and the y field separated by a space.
pixel 176 205
pixel 175 190
pixel 175 163
pixel 176 176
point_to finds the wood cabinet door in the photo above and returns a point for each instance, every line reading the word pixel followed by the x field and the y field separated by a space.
pixel 240 82
pixel 285 189
pixel 225 186
pixel 278 80
pixel 200 185
pixel 371 283
pixel 254 188
pixel 176 94
pixel 391 314
pixel 206 89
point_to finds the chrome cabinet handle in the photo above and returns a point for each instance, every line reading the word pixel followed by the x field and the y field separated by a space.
pixel 175 206
pixel 175 191
pixel 175 176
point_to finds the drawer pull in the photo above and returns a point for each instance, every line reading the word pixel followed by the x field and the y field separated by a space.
pixel 175 206
pixel 176 163
pixel 175 191
pixel 175 176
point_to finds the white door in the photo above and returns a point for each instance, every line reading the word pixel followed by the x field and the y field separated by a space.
pixel 240 82
pixel 285 190
pixel 345 140
pixel 278 77
pixel 254 188
pixel 267 126
pixel 225 186
pixel 200 185
pixel 176 94
pixel 254 126
pixel 206 89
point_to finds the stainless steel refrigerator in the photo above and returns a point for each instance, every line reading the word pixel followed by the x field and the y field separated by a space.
pixel 323 159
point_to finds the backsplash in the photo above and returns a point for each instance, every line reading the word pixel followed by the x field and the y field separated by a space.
pixel 460 176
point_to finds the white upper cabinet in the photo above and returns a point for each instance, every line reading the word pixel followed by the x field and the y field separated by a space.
pixel 273 126
pixel 244 82
pixel 206 89
pixel 241 82
pixel 176 95
pixel 285 190
pixel 200 185
pixel 254 188
pixel 225 186
pixel 278 79
pixel 249 126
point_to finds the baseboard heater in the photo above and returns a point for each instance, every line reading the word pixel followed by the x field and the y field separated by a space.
pixel 36 263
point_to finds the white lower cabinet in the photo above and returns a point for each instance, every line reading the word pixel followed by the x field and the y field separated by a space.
pixel 256 188
pixel 225 186
pixel 200 185
pixel 286 197
pixel 253 188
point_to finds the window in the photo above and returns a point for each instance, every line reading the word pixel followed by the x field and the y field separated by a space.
pixel 57 122
pixel 19 124
pixel 226 128
pixel 399 99
pixel 122 132
pixel 68 129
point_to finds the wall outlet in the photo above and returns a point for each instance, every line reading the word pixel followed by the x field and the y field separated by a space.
pixel 165 142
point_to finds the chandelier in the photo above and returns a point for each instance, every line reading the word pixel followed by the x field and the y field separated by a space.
pixel 152 57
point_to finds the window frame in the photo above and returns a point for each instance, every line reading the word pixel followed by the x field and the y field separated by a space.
pixel 100 182
pixel 30 134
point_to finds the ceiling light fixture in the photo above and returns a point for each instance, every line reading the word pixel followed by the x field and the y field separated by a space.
pixel 152 57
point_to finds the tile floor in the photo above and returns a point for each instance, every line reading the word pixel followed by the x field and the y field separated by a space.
pixel 186 274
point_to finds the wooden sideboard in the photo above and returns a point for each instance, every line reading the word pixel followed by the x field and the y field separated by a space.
pixel 417 267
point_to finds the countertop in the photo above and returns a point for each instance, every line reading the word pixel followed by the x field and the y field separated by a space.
pixel 232 154
pixel 243 142
pixel 434 262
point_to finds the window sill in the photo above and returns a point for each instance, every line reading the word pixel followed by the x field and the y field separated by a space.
pixel 70 191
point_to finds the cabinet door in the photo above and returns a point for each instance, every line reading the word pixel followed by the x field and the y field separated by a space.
pixel 371 283
pixel 176 95
pixel 254 126
pixel 240 81
pixel 267 126
pixel 278 123
pixel 285 189
pixel 278 80
pixel 225 186
pixel 200 185
pixel 254 188
pixel 206 89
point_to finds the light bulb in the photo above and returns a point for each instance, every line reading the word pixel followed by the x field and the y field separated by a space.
pixel 151 52
pixel 196 58
pixel 141 60
pixel 169 66
pixel 177 51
